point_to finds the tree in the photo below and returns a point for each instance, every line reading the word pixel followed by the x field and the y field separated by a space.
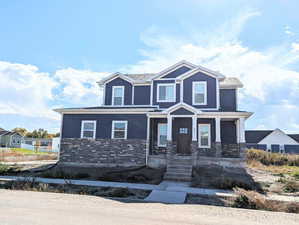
pixel 40 133
pixel 20 130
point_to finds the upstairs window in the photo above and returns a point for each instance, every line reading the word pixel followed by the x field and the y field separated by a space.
pixel 199 90
pixel 118 95
pixel 119 129
pixel 88 129
pixel 162 134
pixel 204 132
pixel 166 92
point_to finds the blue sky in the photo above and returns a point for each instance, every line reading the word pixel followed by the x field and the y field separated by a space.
pixel 53 52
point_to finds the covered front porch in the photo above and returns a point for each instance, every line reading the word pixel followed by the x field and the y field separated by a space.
pixel 187 132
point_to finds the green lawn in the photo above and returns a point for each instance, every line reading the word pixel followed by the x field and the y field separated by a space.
pixel 27 152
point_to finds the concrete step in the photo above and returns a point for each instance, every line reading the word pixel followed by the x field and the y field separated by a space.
pixel 183 163
pixel 179 170
pixel 177 178
pixel 178 174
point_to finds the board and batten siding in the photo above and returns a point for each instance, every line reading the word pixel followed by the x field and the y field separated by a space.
pixel 137 125
pixel 119 82
pixel 142 95
pixel 228 100
pixel 177 72
pixel 211 90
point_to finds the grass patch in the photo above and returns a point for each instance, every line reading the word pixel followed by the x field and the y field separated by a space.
pixel 32 185
pixel 276 159
pixel 27 151
pixel 7 169
pixel 253 200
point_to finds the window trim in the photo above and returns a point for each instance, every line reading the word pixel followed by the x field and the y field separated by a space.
pixel 94 131
pixel 166 84
pixel 123 95
pixel 159 141
pixel 205 92
pixel 209 137
pixel 126 128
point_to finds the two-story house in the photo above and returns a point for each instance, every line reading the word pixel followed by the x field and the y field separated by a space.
pixel 185 112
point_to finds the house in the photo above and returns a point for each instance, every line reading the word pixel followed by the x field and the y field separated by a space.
pixel 10 139
pixel 37 144
pixel 273 141
pixel 184 114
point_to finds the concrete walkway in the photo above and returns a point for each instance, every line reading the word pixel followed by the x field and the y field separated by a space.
pixel 176 189
pixel 171 197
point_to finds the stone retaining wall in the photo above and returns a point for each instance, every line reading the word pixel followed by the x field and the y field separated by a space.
pixel 103 152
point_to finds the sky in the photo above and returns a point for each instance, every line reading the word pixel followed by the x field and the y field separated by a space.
pixel 52 52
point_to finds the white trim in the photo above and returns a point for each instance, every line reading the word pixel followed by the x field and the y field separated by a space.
pixel 159 125
pixel 181 105
pixel 104 94
pixel 60 136
pixel 147 140
pixel 166 84
pixel 151 94
pixel 169 128
pixel 194 128
pixel 173 68
pixel 205 92
pixel 217 94
pixel 94 130
pixel 218 129
pixel 202 70
pixel 209 137
pixel 182 91
pixel 113 129
pixel 114 76
pixel 123 95
pixel 133 94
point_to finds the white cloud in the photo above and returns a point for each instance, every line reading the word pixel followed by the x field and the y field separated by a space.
pixel 25 91
pixel 295 47
pixel 267 75
pixel 79 86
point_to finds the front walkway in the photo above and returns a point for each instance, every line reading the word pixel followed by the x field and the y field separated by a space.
pixel 171 189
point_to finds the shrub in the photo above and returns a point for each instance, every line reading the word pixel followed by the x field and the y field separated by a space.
pixel 276 159
pixel 254 200
pixel 295 175
pixel 291 186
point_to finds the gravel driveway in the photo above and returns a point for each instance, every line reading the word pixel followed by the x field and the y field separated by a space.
pixel 40 208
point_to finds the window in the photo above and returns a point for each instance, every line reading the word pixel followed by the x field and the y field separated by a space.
pixel 118 95
pixel 119 129
pixel 162 134
pixel 204 131
pixel 88 129
pixel 166 92
pixel 199 90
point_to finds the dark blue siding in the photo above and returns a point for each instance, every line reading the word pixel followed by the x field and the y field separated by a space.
pixel 137 125
pixel 142 95
pixel 182 111
pixel 212 123
pixel 257 146
pixel 118 82
pixel 211 90
pixel 275 148
pixel 165 104
pixel 228 132
pixel 291 149
pixel 177 72
pixel 228 100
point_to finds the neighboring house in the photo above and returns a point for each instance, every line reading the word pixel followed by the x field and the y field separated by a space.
pixel 10 139
pixel 184 112
pixel 38 144
pixel 273 141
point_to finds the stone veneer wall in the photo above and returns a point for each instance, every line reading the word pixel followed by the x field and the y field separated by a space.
pixel 103 152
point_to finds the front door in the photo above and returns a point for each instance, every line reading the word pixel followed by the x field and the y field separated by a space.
pixel 182 128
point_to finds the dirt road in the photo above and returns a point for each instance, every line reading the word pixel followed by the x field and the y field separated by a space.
pixel 40 208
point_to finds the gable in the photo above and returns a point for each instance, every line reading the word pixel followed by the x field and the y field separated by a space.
pixel 179 71
pixel 182 111
pixel 278 137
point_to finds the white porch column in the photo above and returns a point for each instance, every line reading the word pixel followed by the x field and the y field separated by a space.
pixel 194 128
pixel 218 129
pixel 238 130
pixel 169 128
pixel 242 130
